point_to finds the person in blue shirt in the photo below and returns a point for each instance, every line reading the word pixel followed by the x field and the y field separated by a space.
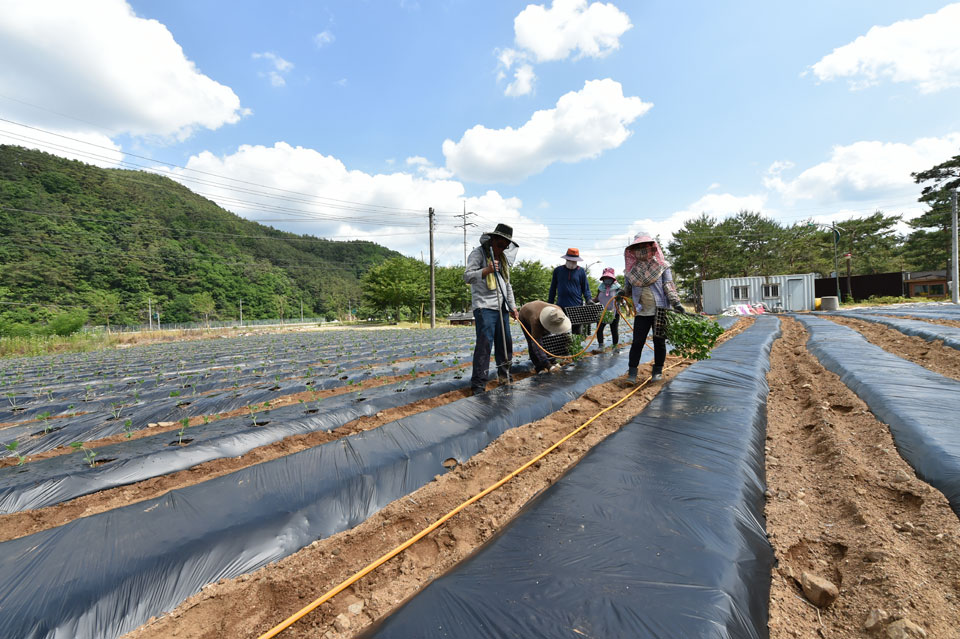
pixel 569 286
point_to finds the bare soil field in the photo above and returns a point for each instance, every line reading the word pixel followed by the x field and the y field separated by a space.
pixel 841 505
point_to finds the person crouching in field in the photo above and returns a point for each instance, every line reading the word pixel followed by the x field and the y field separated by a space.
pixel 541 318
pixel 488 274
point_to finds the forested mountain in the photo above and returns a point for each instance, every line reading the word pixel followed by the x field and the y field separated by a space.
pixel 78 238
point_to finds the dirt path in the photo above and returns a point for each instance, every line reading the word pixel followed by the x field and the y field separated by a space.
pixel 843 505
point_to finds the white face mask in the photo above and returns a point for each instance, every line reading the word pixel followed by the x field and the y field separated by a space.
pixel 571 265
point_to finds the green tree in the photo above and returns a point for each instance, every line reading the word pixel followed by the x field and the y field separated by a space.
pixel 530 281
pixel 700 251
pixel 928 247
pixel 453 294
pixel 872 242
pixel 204 305
pixel 103 305
pixel 397 282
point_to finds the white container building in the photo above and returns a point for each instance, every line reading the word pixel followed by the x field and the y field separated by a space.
pixel 776 292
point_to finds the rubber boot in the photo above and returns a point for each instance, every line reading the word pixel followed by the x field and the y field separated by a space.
pixel 631 376
pixel 657 374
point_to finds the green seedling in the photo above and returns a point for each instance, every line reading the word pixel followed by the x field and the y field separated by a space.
pixel 128 427
pixel 88 454
pixel 45 418
pixel 206 420
pixel 115 408
pixel 253 413
pixel 692 336
pixel 12 398
pixel 183 427
pixel 12 447
pixel 174 393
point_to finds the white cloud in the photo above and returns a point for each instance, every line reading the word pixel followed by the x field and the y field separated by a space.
pixel 113 72
pixel 90 147
pixel 863 170
pixel 717 205
pixel 336 202
pixel 570 27
pixel 583 125
pixel 523 80
pixel 280 67
pixel 323 38
pixel 426 169
pixel 924 52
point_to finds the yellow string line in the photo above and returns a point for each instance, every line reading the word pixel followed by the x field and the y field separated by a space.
pixel 273 632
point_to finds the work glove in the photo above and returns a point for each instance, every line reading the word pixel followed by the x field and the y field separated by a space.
pixel 678 308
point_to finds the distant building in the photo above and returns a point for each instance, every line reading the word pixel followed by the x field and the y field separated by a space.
pixel 927 283
pixel 776 292
pixel 896 284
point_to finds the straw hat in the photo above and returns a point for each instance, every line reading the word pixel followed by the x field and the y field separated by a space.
pixel 553 319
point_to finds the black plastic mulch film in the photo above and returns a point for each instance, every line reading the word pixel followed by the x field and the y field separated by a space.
pixel 916 328
pixel 103 575
pixel 657 533
pixel 919 405
pixel 51 481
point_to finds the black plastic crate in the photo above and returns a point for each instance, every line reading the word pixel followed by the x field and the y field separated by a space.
pixel 587 314
pixel 556 343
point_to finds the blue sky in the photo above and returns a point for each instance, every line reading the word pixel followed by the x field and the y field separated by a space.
pixel 577 122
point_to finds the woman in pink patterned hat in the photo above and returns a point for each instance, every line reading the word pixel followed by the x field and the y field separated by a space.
pixel 608 290
pixel 649 283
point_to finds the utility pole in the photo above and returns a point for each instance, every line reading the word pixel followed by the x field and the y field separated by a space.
pixel 433 278
pixel 955 296
pixel 301 311
pixel 836 262
pixel 849 287
pixel 241 312
pixel 464 226
pixel 149 314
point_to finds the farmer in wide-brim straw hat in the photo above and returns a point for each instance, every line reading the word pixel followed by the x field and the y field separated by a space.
pixel 648 281
pixel 487 271
pixel 569 286
pixel 539 319
pixel 607 292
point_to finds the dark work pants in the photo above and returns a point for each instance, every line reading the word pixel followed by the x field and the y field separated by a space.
pixel 539 358
pixel 614 330
pixel 490 336
pixel 641 327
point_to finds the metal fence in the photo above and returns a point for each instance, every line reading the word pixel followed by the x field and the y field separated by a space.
pixel 199 326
